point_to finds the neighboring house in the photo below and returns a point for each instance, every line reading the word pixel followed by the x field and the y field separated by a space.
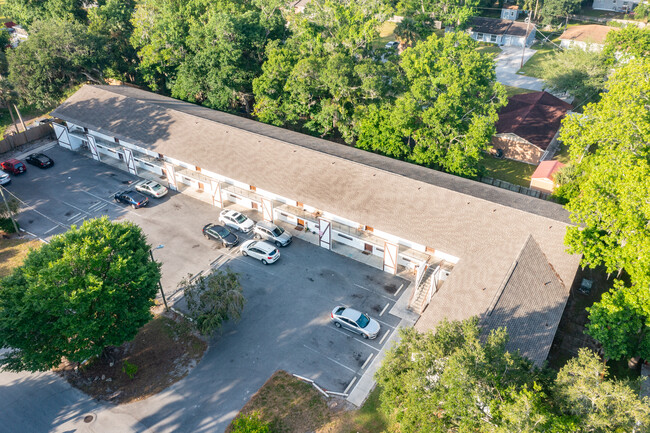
pixel 528 125
pixel 19 35
pixel 502 32
pixel 615 5
pixel 299 6
pixel 482 240
pixel 589 37
pixel 543 179
pixel 510 12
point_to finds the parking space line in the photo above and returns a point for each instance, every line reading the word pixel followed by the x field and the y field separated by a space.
pixel 399 290
pixel 96 206
pixel 384 337
pixel 354 379
pixel 373 292
pixel 385 324
pixel 53 228
pixel 333 360
pixel 356 339
pixel 367 361
pixel 72 206
pixel 74 216
pixel 384 310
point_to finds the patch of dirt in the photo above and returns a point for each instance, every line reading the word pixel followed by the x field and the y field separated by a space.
pixel 13 252
pixel 570 335
pixel 164 351
pixel 293 406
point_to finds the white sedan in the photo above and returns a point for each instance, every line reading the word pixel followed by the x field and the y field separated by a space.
pixel 263 251
pixel 149 187
pixel 236 220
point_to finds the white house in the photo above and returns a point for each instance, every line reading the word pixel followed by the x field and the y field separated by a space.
pixel 510 12
pixel 589 37
pixel 615 5
pixel 502 32
pixel 506 249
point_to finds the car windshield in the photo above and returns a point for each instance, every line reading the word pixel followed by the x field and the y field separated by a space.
pixel 221 231
pixel 278 231
pixel 363 321
pixel 240 218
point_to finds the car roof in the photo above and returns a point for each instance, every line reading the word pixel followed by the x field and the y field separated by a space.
pixel 351 314
pixel 264 246
pixel 147 182
pixel 266 224
pixel 230 212
pixel 13 161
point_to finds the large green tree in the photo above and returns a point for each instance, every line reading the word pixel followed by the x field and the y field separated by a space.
pixel 603 405
pixel 628 43
pixel 555 11
pixel 26 12
pixel 446 116
pixel 89 288
pixel 327 68
pixel 609 147
pixel 581 74
pixel 455 380
pixel 57 56
pixel 454 13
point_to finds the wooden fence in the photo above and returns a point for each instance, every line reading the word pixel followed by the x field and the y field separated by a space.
pixel 516 188
pixel 14 141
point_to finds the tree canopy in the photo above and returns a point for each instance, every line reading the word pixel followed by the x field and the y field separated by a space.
pixel 213 299
pixel 460 380
pixel 26 12
pixel 446 115
pixel 609 204
pixel 89 288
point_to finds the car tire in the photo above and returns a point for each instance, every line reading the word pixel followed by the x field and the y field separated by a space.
pixel 278 244
pixel 116 200
pixel 256 236
pixel 365 336
pixel 206 236
pixel 265 262
pixel 133 206
pixel 244 253
pixel 337 324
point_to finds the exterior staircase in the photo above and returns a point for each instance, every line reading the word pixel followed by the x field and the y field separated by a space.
pixel 421 294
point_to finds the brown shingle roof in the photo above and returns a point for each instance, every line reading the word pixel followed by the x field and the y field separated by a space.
pixel 535 117
pixel 530 305
pixel 591 33
pixel 496 26
pixel 482 225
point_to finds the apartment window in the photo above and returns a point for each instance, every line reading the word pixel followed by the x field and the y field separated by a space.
pixel 479 36
pixel 493 38
pixel 85 130
pixel 117 140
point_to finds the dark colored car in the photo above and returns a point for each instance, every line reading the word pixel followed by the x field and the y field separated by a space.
pixel 39 160
pixel 220 234
pixel 13 166
pixel 135 199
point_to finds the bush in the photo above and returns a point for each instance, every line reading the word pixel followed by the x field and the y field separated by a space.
pixel 129 369
pixel 7 226
pixel 251 423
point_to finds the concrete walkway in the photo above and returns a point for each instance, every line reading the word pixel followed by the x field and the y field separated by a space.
pixel 509 62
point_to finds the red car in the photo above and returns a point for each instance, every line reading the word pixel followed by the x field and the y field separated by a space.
pixel 13 166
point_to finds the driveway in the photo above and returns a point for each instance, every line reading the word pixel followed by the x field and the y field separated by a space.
pixel 285 323
pixel 509 62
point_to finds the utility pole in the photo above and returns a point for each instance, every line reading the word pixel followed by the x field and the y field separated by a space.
pixel 20 117
pixel 159 284
pixel 11 216
pixel 523 51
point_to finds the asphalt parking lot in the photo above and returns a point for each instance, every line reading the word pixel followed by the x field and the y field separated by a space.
pixel 285 323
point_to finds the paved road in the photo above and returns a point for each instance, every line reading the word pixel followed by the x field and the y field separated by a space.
pixel 285 324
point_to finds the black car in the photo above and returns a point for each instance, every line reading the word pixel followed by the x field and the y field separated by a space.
pixel 135 199
pixel 220 234
pixel 39 160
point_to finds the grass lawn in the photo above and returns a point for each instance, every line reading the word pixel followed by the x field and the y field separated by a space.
pixel 589 12
pixel 532 68
pixel 516 90
pixel 293 406
pixel 515 172
pixel 489 49
pixel 386 34
pixel 13 252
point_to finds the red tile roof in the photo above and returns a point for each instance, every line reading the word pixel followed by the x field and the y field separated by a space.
pixel 534 117
pixel 546 169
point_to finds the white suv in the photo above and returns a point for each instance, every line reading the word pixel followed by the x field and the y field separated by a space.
pixel 236 220
pixel 260 250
